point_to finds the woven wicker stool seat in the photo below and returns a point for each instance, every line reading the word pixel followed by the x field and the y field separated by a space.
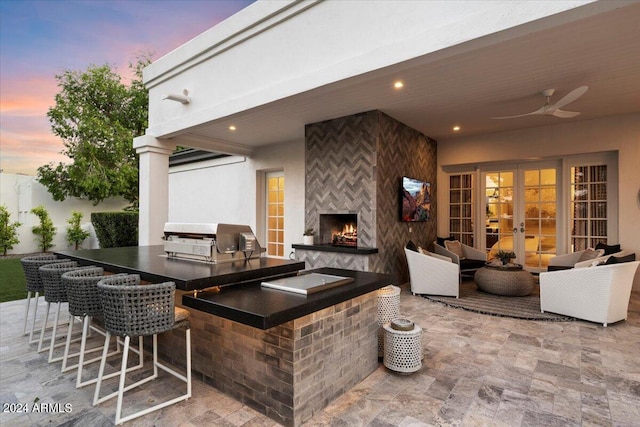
pixel 402 346
pixel 85 302
pixel 54 292
pixel 134 310
pixel 30 266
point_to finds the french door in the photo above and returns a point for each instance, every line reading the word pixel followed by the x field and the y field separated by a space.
pixel 521 212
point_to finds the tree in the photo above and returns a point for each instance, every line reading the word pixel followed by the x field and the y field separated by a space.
pixel 97 116
pixel 75 234
pixel 46 230
pixel 8 231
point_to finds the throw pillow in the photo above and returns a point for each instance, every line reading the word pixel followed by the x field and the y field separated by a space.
pixel 412 246
pixel 454 246
pixel 589 254
pixel 617 260
pixel 608 249
pixel 441 240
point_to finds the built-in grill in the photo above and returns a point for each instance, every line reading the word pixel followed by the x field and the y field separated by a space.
pixel 213 243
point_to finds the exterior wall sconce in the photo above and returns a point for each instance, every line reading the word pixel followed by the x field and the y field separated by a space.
pixel 183 99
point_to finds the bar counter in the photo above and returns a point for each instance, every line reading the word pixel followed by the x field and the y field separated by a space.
pixel 284 354
pixel 152 264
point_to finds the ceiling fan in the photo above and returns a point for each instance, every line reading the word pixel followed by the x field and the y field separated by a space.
pixel 549 109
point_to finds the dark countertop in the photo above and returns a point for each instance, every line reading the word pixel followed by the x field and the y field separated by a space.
pixel 328 247
pixel 151 263
pixel 264 308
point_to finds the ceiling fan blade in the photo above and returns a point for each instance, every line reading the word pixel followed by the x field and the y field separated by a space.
pixel 538 111
pixel 569 98
pixel 564 114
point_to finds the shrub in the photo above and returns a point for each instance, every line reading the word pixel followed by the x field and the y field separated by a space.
pixel 116 229
pixel 75 234
pixel 8 231
pixel 46 230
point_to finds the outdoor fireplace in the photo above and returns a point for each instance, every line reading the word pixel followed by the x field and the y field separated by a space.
pixel 339 229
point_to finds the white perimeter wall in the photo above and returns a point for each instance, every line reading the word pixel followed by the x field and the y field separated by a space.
pixel 226 190
pixel 21 193
pixel 620 133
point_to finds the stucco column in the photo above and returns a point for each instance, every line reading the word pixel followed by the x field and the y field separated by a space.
pixel 154 187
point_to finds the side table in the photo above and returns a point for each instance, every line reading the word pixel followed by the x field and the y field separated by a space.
pixel 388 309
pixel 402 348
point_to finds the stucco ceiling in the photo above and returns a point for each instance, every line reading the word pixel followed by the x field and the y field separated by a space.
pixel 501 77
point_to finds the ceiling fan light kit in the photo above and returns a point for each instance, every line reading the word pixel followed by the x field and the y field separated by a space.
pixel 549 109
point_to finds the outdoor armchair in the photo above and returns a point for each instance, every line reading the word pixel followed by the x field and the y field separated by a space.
pixel 432 274
pixel 566 261
pixel 472 258
pixel 597 294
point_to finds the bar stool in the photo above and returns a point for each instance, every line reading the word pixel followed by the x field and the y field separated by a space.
pixel 30 265
pixel 84 301
pixel 54 292
pixel 134 310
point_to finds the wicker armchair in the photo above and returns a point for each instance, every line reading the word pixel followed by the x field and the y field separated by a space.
pixel 133 310
pixel 473 258
pixel 54 292
pixel 597 294
pixel 432 274
pixel 571 260
pixel 30 266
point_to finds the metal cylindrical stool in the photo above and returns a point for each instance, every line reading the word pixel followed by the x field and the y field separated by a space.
pixel 402 346
pixel 388 309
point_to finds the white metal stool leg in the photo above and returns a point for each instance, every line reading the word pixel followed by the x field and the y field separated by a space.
pixel 44 325
pixel 96 396
pixel 186 378
pixel 86 326
pixel 26 313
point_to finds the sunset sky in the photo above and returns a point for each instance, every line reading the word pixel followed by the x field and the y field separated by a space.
pixel 40 39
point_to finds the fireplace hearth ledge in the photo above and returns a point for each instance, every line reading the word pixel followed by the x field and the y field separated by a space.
pixel 328 247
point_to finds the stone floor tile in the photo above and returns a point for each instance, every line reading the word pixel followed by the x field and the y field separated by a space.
pixel 477 370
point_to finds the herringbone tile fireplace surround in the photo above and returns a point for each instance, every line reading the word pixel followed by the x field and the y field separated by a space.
pixel 355 164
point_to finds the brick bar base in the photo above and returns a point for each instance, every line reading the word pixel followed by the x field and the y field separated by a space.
pixel 289 372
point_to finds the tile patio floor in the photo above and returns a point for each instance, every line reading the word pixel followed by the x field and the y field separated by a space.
pixel 478 370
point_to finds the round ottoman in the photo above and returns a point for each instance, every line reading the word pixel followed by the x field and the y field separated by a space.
pixel 507 280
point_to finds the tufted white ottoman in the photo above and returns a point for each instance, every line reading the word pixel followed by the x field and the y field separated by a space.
pixel 402 346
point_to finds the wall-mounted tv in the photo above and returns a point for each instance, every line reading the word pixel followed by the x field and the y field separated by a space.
pixel 415 200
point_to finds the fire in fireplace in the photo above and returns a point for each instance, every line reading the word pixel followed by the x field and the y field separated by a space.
pixel 339 229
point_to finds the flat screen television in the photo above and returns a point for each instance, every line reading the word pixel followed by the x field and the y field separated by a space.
pixel 415 200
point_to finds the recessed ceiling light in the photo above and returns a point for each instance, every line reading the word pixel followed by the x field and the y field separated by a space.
pixel 398 84
pixel 232 128
pixel 456 128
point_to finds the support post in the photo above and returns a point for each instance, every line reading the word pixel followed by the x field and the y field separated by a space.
pixel 154 188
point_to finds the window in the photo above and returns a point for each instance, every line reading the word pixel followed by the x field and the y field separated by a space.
pixel 275 214
pixel 588 206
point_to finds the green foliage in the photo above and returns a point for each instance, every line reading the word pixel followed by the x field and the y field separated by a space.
pixel 116 229
pixel 75 234
pixel 8 231
pixel 97 116
pixel 46 230
pixel 308 232
pixel 13 281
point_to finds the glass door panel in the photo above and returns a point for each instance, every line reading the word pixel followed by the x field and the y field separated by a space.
pixel 540 214
pixel 521 214
pixel 499 192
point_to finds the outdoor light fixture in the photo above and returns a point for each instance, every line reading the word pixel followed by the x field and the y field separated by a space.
pixel 183 99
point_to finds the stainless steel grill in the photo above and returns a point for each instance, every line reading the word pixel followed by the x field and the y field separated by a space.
pixel 210 242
